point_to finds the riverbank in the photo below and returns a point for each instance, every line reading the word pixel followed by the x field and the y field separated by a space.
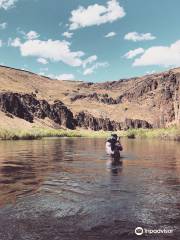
pixel 38 133
pixel 172 133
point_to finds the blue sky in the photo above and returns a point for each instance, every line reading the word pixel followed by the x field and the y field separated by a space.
pixel 92 40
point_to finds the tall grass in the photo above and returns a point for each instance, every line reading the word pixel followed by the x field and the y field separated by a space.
pixel 38 133
pixel 172 133
pixel 13 134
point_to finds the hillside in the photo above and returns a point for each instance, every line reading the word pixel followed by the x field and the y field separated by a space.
pixel 148 101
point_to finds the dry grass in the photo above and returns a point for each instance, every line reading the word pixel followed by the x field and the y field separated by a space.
pixel 38 133
pixel 24 82
pixel 172 133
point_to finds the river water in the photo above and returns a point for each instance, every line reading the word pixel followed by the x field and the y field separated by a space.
pixel 66 189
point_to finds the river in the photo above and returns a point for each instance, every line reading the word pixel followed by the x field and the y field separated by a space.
pixel 66 189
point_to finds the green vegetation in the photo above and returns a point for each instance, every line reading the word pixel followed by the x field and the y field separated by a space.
pixel 13 134
pixel 172 133
pixel 38 133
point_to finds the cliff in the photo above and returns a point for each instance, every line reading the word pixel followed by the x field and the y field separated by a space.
pixel 29 108
pixel 144 102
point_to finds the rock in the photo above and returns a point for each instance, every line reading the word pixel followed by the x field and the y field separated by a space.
pixel 135 123
pixel 85 85
pixel 87 121
pixel 62 115
pixel 27 107
pixel 75 97
pixel 15 104
pixel 103 98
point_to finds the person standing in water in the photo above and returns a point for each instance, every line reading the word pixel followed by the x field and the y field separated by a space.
pixel 113 148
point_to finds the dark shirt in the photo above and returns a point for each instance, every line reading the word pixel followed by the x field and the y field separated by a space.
pixel 115 145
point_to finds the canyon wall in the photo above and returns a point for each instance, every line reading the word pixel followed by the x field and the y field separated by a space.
pixel 28 107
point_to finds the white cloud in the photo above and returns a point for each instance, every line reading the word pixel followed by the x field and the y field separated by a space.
pixel 42 60
pixel 89 60
pixel 150 72
pixel 6 4
pixel 53 50
pixel 1 43
pixel 67 34
pixel 133 53
pixel 15 42
pixel 88 71
pixel 32 35
pixel 3 25
pixel 110 35
pixel 65 76
pixel 97 65
pixel 160 55
pixel 96 15
pixel 135 36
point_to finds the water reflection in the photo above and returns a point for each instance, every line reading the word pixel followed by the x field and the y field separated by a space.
pixel 74 178
pixel 25 166
pixel 115 167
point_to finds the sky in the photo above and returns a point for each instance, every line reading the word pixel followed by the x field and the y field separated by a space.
pixel 90 40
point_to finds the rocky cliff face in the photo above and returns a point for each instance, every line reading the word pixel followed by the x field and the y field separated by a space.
pixel 86 120
pixel 135 123
pixel 148 101
pixel 161 92
pixel 102 98
pixel 28 107
pixel 164 92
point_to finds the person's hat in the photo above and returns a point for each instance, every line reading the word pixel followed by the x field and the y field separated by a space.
pixel 114 136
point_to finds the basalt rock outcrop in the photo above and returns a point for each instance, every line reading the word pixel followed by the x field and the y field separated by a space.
pixel 135 123
pixel 102 98
pixel 164 91
pixel 28 107
pixel 161 92
pixel 87 121
pixel 153 98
